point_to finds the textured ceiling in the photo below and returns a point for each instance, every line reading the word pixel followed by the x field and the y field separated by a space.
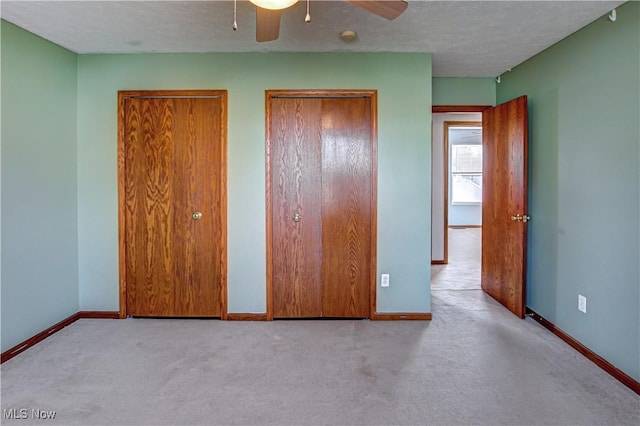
pixel 466 38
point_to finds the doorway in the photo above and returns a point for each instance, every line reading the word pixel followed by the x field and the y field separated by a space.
pixel 441 198
pixel 321 204
pixel 172 203
pixel 504 195
pixel 461 182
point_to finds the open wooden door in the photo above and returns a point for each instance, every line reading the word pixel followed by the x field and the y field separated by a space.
pixel 504 206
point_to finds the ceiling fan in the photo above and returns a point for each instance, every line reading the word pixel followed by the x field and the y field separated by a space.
pixel 268 13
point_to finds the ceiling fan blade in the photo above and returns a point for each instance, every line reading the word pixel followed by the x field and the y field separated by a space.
pixel 267 24
pixel 388 9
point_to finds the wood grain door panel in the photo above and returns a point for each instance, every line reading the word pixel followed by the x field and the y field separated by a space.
pixel 319 165
pixel 173 165
pixel 149 216
pixel 197 162
pixel 504 195
pixel 295 157
pixel 346 206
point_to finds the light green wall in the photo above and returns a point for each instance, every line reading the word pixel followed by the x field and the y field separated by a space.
pixel 1 22
pixel 403 82
pixel 584 198
pixel 464 91
pixel 39 185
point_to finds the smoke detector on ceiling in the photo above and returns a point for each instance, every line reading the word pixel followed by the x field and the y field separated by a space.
pixel 348 36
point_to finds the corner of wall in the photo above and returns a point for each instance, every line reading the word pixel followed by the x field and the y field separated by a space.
pixel 39 184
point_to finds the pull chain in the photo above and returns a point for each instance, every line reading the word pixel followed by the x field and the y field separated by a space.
pixel 235 15
pixel 307 18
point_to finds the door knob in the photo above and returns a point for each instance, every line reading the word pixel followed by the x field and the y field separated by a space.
pixel 296 217
pixel 196 215
pixel 521 218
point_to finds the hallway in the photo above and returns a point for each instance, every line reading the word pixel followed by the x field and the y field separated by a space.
pixel 463 270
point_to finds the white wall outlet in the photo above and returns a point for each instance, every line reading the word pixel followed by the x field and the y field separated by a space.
pixel 582 303
pixel 384 280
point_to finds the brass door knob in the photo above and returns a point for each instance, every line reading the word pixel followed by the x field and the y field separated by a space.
pixel 521 218
pixel 296 217
pixel 196 215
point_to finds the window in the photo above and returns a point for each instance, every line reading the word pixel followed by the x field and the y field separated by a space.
pixel 466 174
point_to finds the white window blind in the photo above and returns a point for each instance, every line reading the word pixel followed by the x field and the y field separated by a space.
pixel 466 174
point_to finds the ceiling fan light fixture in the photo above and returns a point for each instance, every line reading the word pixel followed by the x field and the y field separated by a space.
pixel 274 4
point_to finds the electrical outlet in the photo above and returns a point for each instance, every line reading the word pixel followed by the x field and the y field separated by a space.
pixel 384 280
pixel 582 303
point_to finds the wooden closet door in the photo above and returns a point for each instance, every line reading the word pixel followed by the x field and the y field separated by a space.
pixel 149 200
pixel 197 189
pixel 295 141
pixel 346 206
pixel 320 165
pixel 174 209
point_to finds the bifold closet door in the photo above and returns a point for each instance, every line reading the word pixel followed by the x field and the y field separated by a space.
pixel 174 210
pixel 296 147
pixel 321 165
pixel 346 206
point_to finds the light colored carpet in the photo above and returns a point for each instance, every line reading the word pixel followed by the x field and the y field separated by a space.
pixel 475 363
pixel 463 270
